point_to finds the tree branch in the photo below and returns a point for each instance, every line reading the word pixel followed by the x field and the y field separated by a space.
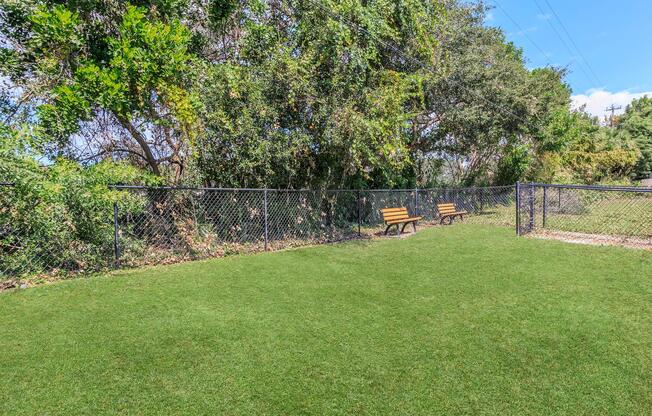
pixel 142 142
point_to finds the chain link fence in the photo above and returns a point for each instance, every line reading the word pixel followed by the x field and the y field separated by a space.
pixel 145 225
pixel 142 225
pixel 169 224
pixel 487 205
pixel 592 213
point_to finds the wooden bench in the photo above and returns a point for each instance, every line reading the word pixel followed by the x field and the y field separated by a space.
pixel 449 211
pixel 397 217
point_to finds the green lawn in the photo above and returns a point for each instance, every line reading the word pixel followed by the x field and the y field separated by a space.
pixel 455 320
pixel 614 216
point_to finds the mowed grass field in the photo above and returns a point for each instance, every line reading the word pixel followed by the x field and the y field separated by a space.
pixel 614 216
pixel 465 319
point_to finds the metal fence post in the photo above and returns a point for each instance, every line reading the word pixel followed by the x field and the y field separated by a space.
pixel 559 204
pixel 518 208
pixel 266 221
pixel 416 202
pixel 532 210
pixel 359 217
pixel 545 205
pixel 116 235
pixel 482 196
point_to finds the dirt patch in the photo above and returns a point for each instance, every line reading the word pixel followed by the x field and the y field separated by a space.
pixel 596 239
pixel 379 231
pixel 8 284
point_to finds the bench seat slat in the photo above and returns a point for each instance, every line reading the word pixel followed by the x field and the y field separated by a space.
pixel 395 217
pixel 390 210
pixel 401 221
pixel 396 212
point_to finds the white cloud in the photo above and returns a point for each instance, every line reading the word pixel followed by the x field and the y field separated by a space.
pixel 597 100
pixel 546 16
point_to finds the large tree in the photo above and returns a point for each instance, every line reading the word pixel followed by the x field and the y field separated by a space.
pixel 294 93
pixel 104 79
pixel 636 125
pixel 317 93
pixel 486 107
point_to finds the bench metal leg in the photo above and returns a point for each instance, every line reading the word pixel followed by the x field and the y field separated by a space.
pixel 398 228
pixel 414 226
pixel 450 218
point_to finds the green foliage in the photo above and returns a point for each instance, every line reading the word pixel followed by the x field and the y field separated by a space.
pixel 146 59
pixel 513 165
pixel 55 31
pixel 636 125
pixel 79 61
pixel 60 119
pixel 60 214
pixel 572 147
pixel 220 10
pixel 309 101
pixel 486 106
pixel 288 94
pixel 594 154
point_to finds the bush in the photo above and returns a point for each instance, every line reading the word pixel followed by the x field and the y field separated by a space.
pixel 58 219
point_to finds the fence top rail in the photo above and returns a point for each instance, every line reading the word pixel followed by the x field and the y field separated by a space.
pixel 179 188
pixel 470 188
pixel 196 188
pixel 634 189
pixel 191 188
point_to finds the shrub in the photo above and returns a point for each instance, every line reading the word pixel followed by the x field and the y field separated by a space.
pixel 58 219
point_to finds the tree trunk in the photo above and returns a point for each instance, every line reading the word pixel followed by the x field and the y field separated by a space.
pixel 142 142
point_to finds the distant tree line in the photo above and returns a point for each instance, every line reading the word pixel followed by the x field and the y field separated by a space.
pixel 293 94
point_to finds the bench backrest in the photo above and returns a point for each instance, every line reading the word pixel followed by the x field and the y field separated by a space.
pixel 446 209
pixel 393 214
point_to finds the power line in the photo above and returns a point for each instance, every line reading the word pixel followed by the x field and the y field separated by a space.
pixel 518 26
pixel 353 25
pixel 563 26
pixel 561 39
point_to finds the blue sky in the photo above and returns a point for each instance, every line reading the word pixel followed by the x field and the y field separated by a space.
pixel 615 38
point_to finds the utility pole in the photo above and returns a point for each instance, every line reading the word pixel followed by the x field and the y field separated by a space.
pixel 613 110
